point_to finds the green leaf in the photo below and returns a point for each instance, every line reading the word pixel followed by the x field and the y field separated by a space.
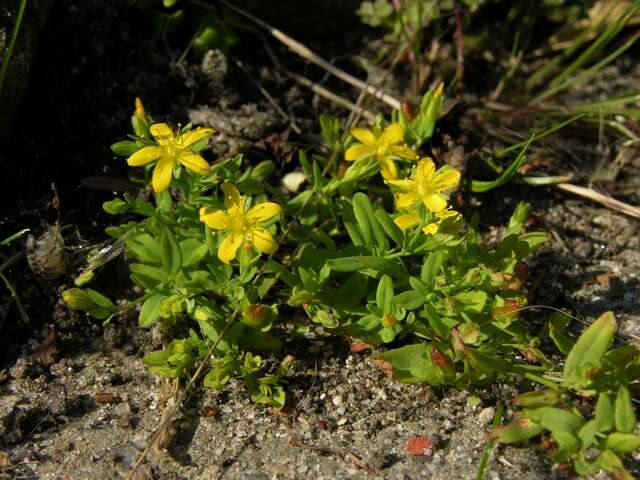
pixel 586 354
pixel 157 358
pixel 13 237
pixel 100 300
pixel 519 430
pixel 519 216
pixel 604 416
pixel 164 202
pixel 612 463
pixel 622 442
pixel 589 434
pixel 145 247
pixel 125 148
pixel 431 268
pixel 555 419
pixel 534 239
pixel 171 253
pixel 384 294
pixel 361 212
pixel 389 226
pixel 409 300
pixel 150 311
pixel 116 206
pixel 193 251
pixel 625 415
pixel 413 364
pixel 540 398
pixel 366 218
pixel 152 275
pixel 473 301
pixel 366 264
pixel 354 232
pixel 557 325
pixel 506 175
pixel 568 443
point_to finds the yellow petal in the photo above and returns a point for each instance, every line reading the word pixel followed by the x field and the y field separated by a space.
pixel 162 133
pixel 232 197
pixel 430 229
pixel 365 136
pixel 404 152
pixel 405 184
pixel 194 162
pixel 407 220
pixel 145 155
pixel 425 170
pixel 357 151
pixel 392 135
pixel 162 174
pixel 406 200
pixel 388 169
pixel 434 202
pixel 193 136
pixel 445 179
pixel 263 212
pixel 218 219
pixel 229 246
pixel 263 241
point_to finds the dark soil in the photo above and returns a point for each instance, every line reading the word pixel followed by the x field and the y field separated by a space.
pixel 77 402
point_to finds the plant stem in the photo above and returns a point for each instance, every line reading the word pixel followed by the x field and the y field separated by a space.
pixel 14 295
pixel 12 42
pixel 486 453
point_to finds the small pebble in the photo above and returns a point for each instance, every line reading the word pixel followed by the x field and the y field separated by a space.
pixel 486 415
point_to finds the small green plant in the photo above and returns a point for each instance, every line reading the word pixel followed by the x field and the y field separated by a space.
pixel 598 438
pixel 219 252
pixel 7 282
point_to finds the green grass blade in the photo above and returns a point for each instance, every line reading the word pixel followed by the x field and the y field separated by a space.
pixel 484 186
pixel 593 49
pixel 12 42
pixel 539 136
pixel 14 295
pixel 588 73
pixel 488 447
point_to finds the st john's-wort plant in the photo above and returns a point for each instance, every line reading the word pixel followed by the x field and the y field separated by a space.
pixel 219 252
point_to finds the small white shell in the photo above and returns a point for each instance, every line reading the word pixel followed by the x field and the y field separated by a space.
pixel 293 180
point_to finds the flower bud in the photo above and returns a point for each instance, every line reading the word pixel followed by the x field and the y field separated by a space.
pixel 389 320
pixel 257 315
pixel 84 278
pixel 202 314
pixel 139 111
pixel 77 298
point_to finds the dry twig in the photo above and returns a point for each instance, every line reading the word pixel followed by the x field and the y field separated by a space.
pixel 609 202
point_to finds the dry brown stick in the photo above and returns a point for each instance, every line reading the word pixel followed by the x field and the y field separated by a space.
pixel 329 95
pixel 600 198
pixel 307 54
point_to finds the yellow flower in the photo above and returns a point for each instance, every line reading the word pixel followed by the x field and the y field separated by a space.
pixel 425 185
pixel 410 220
pixel 241 226
pixel 389 144
pixel 171 148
